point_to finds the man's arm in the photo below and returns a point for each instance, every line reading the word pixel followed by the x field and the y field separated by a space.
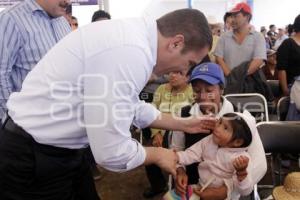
pixel 254 65
pixel 188 125
pixel 166 159
pixel 10 42
pixel 283 82
pixel 225 68
pixel 260 53
pixel 219 53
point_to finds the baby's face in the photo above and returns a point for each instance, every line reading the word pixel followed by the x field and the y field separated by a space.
pixel 222 133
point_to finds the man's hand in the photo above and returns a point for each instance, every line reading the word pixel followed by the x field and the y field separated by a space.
pixel 212 193
pixel 199 124
pixel 166 159
pixel 240 164
pixel 181 181
pixel 157 140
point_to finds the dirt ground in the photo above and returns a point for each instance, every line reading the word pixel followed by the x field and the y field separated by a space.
pixel 123 186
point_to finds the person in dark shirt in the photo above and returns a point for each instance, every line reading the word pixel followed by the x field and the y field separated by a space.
pixel 288 59
pixel 269 69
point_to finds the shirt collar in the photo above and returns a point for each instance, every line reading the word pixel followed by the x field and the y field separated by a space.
pixel 151 26
pixel 33 5
pixel 231 33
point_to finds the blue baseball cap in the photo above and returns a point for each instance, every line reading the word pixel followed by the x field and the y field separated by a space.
pixel 208 72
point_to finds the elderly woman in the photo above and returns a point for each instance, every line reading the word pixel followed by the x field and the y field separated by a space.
pixel 208 83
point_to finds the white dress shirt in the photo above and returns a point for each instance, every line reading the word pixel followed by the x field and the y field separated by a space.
pixel 85 91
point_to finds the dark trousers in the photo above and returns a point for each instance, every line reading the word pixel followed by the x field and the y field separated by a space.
pixel 31 171
pixel 147 97
pixel 156 177
pixel 154 174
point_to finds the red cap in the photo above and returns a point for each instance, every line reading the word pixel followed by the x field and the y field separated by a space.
pixel 241 6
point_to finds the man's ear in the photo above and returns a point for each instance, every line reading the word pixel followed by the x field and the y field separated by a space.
pixel 238 142
pixel 176 43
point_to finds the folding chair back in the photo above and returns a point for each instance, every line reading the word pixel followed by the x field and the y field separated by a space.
pixel 283 107
pixel 255 103
pixel 279 138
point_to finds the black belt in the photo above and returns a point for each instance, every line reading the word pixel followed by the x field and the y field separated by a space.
pixel 10 126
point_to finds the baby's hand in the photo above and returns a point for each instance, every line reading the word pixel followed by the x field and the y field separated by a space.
pixel 240 164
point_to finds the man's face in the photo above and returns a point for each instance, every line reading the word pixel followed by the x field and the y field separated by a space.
pixel 74 24
pixel 228 23
pixel 54 8
pixel 172 58
pixel 272 59
pixel 207 96
pixel 239 21
pixel 101 18
pixel 280 32
pixel 273 28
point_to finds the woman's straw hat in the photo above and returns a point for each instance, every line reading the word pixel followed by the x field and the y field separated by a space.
pixel 290 189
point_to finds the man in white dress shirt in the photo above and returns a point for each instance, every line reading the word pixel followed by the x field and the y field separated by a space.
pixel 85 92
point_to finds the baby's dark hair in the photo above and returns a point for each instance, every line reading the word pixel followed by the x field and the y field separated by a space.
pixel 240 129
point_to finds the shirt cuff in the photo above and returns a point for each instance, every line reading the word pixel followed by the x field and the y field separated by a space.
pixel 145 114
pixel 138 159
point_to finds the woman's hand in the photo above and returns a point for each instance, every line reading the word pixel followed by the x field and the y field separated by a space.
pixel 212 193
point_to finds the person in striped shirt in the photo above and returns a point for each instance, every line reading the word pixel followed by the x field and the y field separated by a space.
pixel 28 30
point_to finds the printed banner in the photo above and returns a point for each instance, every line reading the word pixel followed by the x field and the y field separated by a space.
pixel 84 2
pixel 7 3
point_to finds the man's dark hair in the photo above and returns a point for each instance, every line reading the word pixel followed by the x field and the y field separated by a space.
pixel 271 26
pixel 100 14
pixel 246 14
pixel 240 129
pixel 296 25
pixel 290 29
pixel 191 23
pixel 227 14
pixel 69 9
